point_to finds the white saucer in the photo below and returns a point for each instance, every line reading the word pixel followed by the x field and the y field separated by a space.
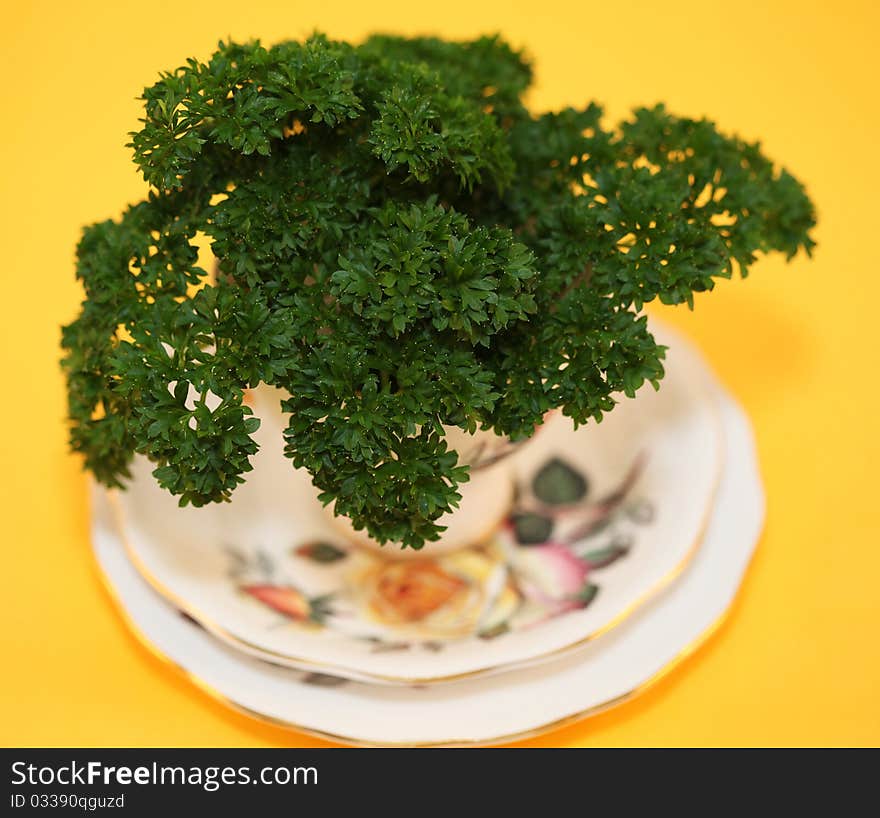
pixel 491 709
pixel 270 574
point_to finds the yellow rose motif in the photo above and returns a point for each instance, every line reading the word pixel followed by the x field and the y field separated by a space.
pixel 442 598
pixel 410 591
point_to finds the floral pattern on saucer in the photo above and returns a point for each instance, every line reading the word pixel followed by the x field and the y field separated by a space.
pixel 544 561
pixel 605 517
pixel 484 708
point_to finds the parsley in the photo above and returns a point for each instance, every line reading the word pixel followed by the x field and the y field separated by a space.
pixel 400 245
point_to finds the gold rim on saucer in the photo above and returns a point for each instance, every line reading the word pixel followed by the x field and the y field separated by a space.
pixel 533 732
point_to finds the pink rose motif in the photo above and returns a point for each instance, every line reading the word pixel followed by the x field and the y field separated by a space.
pixel 553 576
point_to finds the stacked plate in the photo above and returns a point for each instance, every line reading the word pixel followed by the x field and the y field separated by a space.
pixel 624 548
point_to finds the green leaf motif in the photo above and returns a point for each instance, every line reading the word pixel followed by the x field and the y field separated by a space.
pixel 586 595
pixel 603 557
pixel 322 552
pixel 495 631
pixel 557 483
pixel 531 529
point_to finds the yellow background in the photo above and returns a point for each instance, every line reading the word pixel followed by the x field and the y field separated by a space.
pixel 798 661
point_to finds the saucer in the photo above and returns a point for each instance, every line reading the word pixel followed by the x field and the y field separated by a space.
pixel 605 517
pixel 490 709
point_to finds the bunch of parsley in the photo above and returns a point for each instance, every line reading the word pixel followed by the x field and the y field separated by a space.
pixel 400 245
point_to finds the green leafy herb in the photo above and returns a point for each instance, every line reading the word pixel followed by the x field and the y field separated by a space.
pixel 400 246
